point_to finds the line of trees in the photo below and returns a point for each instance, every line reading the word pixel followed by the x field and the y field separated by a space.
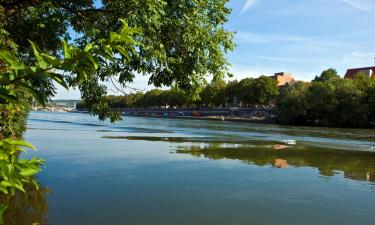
pixel 218 93
pixel 328 100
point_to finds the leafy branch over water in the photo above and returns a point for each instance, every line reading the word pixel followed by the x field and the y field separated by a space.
pixel 73 70
pixel 15 173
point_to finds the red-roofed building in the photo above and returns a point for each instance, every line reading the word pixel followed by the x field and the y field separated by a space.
pixel 351 73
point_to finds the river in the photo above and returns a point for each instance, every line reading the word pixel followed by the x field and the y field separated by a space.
pixel 143 171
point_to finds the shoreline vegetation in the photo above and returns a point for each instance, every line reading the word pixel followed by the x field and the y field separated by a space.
pixel 326 101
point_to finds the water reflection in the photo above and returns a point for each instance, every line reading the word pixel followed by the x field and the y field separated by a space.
pixel 281 163
pixel 355 165
pixel 26 208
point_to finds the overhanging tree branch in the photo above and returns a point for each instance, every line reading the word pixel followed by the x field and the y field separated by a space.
pixel 11 7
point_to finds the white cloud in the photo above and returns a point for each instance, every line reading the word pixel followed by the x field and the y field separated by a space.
pixel 282 59
pixel 247 37
pixel 362 5
pixel 356 59
pixel 63 93
pixel 249 4
pixel 317 43
pixel 240 73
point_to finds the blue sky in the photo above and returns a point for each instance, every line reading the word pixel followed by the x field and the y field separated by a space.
pixel 302 37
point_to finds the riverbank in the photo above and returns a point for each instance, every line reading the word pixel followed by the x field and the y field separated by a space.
pixel 212 118
pixel 242 119
pixel 233 114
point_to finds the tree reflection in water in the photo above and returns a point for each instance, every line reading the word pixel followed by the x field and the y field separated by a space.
pixel 26 208
pixel 355 165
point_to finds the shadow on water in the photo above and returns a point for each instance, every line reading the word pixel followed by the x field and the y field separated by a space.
pixel 68 122
pixel 26 208
pixel 355 165
pixel 116 128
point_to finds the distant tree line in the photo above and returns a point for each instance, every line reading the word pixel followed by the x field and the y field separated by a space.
pixel 218 93
pixel 326 101
pixel 329 101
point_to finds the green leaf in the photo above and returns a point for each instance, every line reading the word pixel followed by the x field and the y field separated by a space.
pixel 20 187
pixel 123 52
pixel 29 172
pixel 41 62
pixel 59 79
pixel 5 184
pixel 6 95
pixel 3 208
pixel 88 47
pixel 35 184
pixel 11 60
pixel 22 143
pixel 92 60
pixel 6 78
pixel 67 51
pixel 4 190
pixel 51 60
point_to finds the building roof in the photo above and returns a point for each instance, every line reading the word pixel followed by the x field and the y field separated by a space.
pixel 351 73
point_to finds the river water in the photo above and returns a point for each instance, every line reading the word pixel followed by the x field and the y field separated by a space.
pixel 143 171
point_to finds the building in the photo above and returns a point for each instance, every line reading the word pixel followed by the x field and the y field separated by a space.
pixel 283 78
pixel 351 73
pixel 65 103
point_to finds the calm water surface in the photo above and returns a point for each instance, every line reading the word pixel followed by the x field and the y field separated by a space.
pixel 144 171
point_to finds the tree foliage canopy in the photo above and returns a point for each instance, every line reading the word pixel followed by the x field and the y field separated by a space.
pixel 327 75
pixel 173 42
pixel 332 102
pixel 218 93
